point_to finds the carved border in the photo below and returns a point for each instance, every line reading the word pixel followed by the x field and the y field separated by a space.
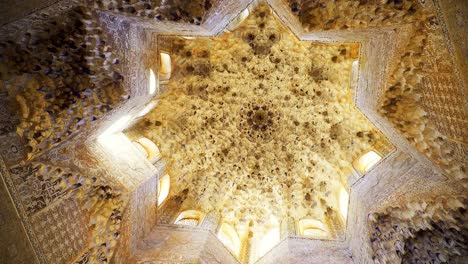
pixel 22 213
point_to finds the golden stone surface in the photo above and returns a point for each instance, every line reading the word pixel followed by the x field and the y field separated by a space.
pixel 256 123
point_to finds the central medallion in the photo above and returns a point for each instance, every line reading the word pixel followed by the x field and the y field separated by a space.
pixel 259 121
pixel 260 118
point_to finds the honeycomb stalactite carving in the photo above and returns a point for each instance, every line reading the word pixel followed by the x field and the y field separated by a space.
pixel 254 124
pixel 431 231
pixel 62 77
pixel 345 15
pixel 254 120
pixel 402 103
pixel 173 10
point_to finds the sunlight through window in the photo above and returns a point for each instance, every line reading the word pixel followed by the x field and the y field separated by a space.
pixel 366 161
pixel 165 68
pixel 344 199
pixel 312 228
pixel 149 149
pixel 190 218
pixel 229 237
pixel 152 82
pixel 164 186
pixel 269 240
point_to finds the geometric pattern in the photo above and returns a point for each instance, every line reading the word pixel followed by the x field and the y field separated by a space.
pixel 61 230
pixel 443 94
pixel 61 227
pixel 35 191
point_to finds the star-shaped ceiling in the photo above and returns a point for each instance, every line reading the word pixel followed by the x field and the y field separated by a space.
pixel 256 123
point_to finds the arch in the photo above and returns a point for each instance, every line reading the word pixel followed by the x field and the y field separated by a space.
pixel 148 148
pixel 229 237
pixel 312 228
pixel 270 239
pixel 343 202
pixel 189 217
pixel 164 187
pixel 366 161
pixel 152 82
pixel 165 67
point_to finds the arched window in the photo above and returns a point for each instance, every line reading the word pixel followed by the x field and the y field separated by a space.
pixel 189 217
pixel 152 82
pixel 312 228
pixel 165 67
pixel 366 161
pixel 229 237
pixel 148 148
pixel 164 186
pixel 268 241
pixel 344 199
pixel 354 73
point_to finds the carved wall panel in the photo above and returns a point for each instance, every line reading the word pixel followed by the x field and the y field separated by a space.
pixel 62 231
pixel 444 96
pixel 172 244
pixel 15 246
pixel 307 251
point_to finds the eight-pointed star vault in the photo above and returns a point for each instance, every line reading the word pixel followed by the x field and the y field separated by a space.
pixel 257 125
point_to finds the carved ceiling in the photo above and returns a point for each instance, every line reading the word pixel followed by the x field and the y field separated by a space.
pixel 256 123
pixel 192 12
pixel 253 123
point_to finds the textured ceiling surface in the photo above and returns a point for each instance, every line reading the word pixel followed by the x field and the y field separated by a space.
pixel 253 124
pixel 436 234
pixel 169 10
pixel 408 100
pixel 256 123
pixel 63 76
pixel 328 15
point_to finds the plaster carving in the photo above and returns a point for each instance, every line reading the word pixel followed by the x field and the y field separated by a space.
pixel 284 105
pixel 69 70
